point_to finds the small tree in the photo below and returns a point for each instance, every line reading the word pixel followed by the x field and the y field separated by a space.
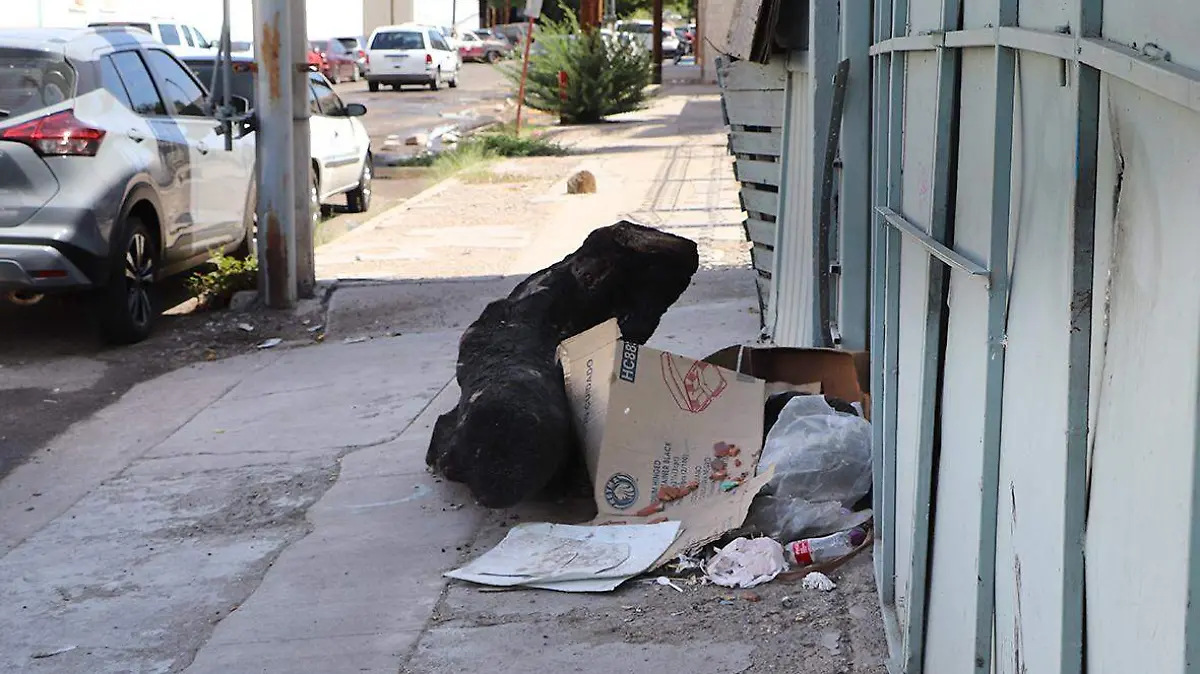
pixel 605 75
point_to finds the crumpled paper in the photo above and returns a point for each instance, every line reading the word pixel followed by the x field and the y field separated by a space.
pixel 819 581
pixel 746 562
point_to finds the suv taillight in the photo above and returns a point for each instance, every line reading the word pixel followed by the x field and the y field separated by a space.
pixel 428 59
pixel 58 135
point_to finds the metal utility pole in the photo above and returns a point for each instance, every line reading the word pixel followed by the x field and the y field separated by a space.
pixel 656 41
pixel 533 9
pixel 226 69
pixel 306 265
pixel 453 16
pixel 276 185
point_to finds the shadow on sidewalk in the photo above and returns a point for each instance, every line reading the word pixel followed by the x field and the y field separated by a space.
pixel 383 307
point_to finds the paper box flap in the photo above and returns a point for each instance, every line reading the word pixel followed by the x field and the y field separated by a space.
pixel 842 374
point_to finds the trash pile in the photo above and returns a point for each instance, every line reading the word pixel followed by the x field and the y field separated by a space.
pixel 750 466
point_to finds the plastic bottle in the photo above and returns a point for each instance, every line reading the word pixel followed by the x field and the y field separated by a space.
pixel 809 551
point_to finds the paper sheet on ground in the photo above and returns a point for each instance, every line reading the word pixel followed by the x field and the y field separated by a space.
pixel 570 558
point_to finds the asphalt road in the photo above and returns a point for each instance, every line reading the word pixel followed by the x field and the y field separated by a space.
pixel 53 369
pixel 414 110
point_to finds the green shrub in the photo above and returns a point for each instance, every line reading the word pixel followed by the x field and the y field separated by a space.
pixel 511 145
pixel 214 289
pixel 605 76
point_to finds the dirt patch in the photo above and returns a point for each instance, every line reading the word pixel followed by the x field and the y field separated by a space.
pixel 252 504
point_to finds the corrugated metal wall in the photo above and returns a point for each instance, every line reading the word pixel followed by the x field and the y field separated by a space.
pixel 1036 330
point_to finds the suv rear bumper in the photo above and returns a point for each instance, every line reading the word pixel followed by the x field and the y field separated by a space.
pixel 398 78
pixel 41 268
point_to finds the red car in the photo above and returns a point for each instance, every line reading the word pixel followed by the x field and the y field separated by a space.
pixel 333 60
pixel 482 47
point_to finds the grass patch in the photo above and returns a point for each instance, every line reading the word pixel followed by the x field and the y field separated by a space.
pixel 466 156
pixel 511 145
pixel 229 275
pixel 471 156
pixel 485 176
pixel 423 160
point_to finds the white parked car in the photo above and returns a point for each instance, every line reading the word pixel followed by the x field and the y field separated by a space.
pixel 340 146
pixel 411 54
pixel 642 29
pixel 182 39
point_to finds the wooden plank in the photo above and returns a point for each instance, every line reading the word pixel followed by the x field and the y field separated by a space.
pixel 760 231
pixel 756 142
pixel 756 108
pixel 742 25
pixel 748 76
pixel 763 258
pixel 760 201
pixel 760 172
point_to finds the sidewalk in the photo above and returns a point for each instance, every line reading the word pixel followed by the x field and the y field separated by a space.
pixel 666 166
pixel 272 512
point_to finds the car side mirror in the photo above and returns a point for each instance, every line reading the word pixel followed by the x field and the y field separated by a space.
pixel 241 105
pixel 355 109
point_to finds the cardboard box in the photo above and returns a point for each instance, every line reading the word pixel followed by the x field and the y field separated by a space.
pixel 651 419
pixel 841 374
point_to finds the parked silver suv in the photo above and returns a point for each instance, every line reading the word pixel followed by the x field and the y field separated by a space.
pixel 113 174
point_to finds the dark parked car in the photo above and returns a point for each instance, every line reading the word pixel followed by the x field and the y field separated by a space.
pixel 357 48
pixel 337 63
pixel 113 172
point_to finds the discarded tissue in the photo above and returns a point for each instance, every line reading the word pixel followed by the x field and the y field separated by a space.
pixel 570 558
pixel 747 562
pixel 819 581
pixel 822 464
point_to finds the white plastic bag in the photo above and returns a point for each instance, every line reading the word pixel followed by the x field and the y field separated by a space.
pixel 746 562
pixel 822 461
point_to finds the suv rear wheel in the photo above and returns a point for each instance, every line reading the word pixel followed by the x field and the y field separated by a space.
pixel 127 311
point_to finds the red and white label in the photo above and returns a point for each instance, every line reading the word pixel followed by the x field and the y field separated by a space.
pixel 802 553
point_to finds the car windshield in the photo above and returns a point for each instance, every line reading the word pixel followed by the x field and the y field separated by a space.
pixel 643 28
pixel 32 80
pixel 348 42
pixel 398 40
pixel 242 81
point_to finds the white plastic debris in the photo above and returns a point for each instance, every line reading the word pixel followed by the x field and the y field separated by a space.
pixel 818 581
pixel 684 563
pixel 245 327
pixel 40 655
pixel 270 343
pixel 747 563
pixel 663 580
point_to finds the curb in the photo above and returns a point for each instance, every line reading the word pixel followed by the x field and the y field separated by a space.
pixel 375 221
